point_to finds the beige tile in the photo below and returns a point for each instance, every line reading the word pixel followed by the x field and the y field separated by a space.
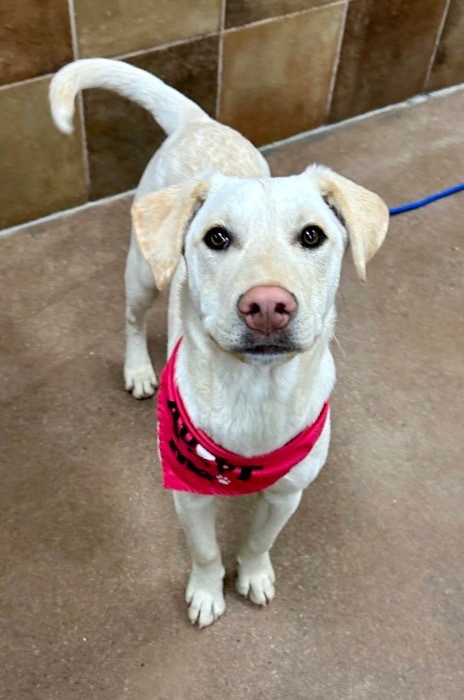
pixel 276 75
pixel 448 67
pixel 386 52
pixel 35 38
pixel 121 136
pixel 109 28
pixel 41 170
pixel 240 12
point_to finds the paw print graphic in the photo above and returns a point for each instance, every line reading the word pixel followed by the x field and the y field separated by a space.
pixel 223 479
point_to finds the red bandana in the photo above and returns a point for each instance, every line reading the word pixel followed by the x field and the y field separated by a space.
pixel 192 462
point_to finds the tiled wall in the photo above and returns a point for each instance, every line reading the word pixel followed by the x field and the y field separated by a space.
pixel 271 68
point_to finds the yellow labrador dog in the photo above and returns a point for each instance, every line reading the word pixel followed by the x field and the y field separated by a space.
pixel 254 265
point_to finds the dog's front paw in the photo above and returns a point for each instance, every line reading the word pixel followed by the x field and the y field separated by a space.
pixel 256 578
pixel 141 381
pixel 205 599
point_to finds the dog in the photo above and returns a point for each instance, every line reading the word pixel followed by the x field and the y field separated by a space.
pixel 253 264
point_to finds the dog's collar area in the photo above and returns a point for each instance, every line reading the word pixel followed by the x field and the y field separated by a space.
pixel 191 461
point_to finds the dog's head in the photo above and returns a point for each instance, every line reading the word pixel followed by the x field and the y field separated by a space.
pixel 262 256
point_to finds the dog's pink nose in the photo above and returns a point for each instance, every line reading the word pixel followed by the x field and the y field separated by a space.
pixel 267 309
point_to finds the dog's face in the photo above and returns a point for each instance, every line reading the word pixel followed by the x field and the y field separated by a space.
pixel 263 235
pixel 263 257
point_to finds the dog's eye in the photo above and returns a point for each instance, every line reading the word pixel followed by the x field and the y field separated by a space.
pixel 217 238
pixel 312 236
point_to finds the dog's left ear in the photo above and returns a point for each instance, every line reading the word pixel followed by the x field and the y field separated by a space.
pixel 364 214
pixel 160 219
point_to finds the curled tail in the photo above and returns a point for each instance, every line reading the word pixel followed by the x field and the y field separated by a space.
pixel 169 107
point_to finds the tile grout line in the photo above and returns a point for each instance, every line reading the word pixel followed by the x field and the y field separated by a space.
pixel 73 26
pixel 80 98
pixel 437 42
pixel 162 47
pixel 121 57
pixel 34 79
pixel 297 13
pixel 336 65
pixel 220 59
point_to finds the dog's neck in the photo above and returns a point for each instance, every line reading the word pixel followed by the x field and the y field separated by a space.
pixel 251 409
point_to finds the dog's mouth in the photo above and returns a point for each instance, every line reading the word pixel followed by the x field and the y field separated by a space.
pixel 266 350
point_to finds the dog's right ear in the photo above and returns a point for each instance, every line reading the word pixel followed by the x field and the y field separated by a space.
pixel 160 219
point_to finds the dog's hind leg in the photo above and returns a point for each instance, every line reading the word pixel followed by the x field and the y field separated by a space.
pixel 139 374
pixel 204 594
pixel 256 576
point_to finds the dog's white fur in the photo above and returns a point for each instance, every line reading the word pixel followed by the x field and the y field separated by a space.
pixel 205 175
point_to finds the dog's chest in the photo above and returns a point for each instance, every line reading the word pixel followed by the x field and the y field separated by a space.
pixel 251 411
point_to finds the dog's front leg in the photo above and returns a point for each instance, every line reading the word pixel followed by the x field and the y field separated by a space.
pixel 139 375
pixel 205 588
pixel 256 576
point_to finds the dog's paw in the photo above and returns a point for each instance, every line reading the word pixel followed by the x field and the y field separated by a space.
pixel 256 578
pixel 142 382
pixel 204 594
pixel 206 601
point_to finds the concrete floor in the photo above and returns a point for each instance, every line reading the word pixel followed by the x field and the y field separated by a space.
pixel 370 587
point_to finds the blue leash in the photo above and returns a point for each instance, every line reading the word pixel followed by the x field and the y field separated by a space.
pixel 427 200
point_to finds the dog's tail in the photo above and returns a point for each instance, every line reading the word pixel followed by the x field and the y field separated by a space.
pixel 170 108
